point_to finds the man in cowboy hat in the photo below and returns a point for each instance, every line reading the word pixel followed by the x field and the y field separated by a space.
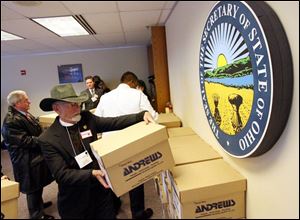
pixel 83 192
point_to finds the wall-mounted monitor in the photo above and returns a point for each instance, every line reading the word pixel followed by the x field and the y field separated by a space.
pixel 71 73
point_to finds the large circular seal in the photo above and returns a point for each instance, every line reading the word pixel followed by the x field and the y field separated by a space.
pixel 246 76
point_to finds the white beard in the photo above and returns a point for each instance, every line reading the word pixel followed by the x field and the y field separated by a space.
pixel 76 118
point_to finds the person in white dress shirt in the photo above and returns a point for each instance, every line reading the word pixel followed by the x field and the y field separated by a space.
pixel 123 100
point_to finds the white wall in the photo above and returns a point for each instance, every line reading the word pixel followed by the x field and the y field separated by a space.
pixel 42 73
pixel 272 178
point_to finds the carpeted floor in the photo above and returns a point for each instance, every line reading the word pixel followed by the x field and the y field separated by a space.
pixel 50 194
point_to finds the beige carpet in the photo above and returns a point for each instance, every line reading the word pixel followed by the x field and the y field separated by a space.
pixel 50 194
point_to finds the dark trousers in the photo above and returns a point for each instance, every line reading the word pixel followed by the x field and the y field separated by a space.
pixel 35 204
pixel 99 206
pixel 137 202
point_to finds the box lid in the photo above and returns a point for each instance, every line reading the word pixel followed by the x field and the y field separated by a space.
pixel 127 142
pixel 49 118
pixel 191 149
pixel 169 119
pixel 181 131
pixel 207 179
pixel 9 190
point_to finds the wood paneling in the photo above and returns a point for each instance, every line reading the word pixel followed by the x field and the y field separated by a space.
pixel 160 66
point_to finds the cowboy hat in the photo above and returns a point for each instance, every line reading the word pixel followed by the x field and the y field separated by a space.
pixel 65 93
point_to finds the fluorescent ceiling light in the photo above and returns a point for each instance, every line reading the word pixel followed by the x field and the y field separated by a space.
pixel 8 36
pixel 62 26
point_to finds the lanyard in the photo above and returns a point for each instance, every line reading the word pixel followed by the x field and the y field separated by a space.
pixel 72 142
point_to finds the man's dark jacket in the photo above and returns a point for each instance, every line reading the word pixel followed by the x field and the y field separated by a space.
pixel 89 104
pixel 20 137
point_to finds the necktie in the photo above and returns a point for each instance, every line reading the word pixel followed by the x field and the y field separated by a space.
pixel 28 116
pixel 33 121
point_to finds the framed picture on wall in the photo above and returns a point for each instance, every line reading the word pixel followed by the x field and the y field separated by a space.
pixel 71 73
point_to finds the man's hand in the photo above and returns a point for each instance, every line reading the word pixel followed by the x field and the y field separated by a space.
pixel 148 118
pixel 100 176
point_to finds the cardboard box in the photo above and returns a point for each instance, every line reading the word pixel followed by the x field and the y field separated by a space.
pixel 181 131
pixel 161 192
pixel 170 120
pixel 170 207
pixel 191 149
pixel 156 184
pixel 47 120
pixel 210 189
pixel 163 187
pixel 134 155
pixel 9 199
pixel 185 149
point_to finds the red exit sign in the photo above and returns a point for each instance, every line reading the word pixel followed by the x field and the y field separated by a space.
pixel 23 72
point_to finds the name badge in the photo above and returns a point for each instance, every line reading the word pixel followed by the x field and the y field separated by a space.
pixel 94 99
pixel 83 159
pixel 86 134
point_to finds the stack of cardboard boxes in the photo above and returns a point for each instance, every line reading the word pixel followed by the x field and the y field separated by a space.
pixel 208 189
pixel 192 179
pixel 202 184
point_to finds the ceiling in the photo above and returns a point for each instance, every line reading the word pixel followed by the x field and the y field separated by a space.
pixel 116 23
